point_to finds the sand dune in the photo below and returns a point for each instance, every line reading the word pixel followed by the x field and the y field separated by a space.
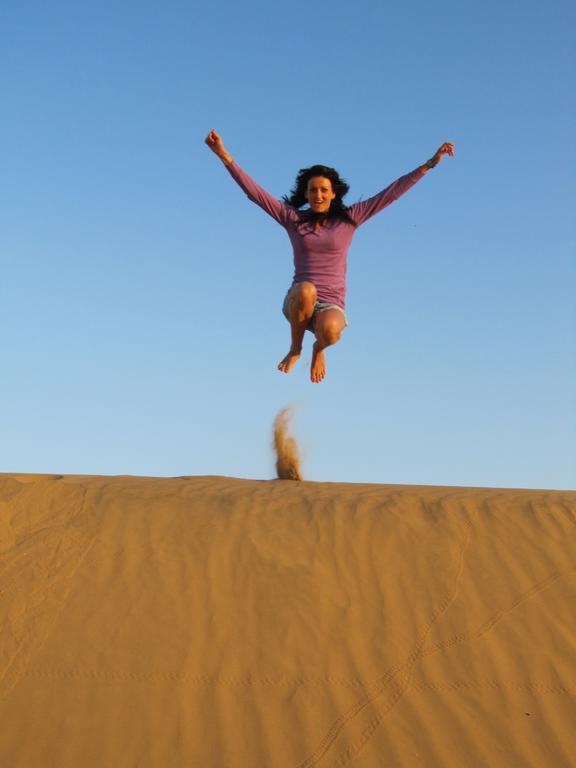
pixel 223 623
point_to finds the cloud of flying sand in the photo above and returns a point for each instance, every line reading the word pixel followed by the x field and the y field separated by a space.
pixel 286 447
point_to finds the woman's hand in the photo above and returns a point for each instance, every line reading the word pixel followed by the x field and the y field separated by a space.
pixel 446 149
pixel 214 142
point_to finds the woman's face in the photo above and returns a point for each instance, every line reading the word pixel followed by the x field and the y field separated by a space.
pixel 320 194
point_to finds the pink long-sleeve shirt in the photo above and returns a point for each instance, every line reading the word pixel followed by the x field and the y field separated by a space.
pixel 321 253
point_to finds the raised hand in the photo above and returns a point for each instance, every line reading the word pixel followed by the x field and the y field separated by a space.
pixel 446 149
pixel 214 142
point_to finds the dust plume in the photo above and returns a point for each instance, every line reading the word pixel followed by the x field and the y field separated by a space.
pixel 286 447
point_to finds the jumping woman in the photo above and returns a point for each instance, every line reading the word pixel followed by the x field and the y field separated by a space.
pixel 320 235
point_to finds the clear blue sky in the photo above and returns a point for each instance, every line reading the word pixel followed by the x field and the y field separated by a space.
pixel 141 291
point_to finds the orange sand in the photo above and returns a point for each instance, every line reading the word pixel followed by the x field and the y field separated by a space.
pixel 286 447
pixel 215 623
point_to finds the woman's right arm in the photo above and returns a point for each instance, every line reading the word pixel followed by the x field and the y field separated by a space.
pixel 214 141
pixel 280 212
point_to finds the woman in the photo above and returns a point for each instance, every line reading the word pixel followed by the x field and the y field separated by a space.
pixel 320 236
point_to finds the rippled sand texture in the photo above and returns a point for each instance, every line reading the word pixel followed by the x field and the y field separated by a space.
pixel 224 623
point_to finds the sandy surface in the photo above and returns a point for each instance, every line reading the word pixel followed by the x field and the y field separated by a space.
pixel 211 622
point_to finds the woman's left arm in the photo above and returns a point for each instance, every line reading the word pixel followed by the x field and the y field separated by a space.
pixel 364 210
pixel 446 149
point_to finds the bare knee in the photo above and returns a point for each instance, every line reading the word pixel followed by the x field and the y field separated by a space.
pixel 304 294
pixel 329 332
pixel 302 301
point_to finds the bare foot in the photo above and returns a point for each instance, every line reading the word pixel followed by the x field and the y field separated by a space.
pixel 318 367
pixel 289 361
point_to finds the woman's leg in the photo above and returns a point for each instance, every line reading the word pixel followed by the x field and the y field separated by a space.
pixel 329 325
pixel 301 301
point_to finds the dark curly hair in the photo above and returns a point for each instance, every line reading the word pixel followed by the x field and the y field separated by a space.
pixel 297 197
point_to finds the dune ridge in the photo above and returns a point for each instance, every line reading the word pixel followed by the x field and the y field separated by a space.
pixel 221 622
